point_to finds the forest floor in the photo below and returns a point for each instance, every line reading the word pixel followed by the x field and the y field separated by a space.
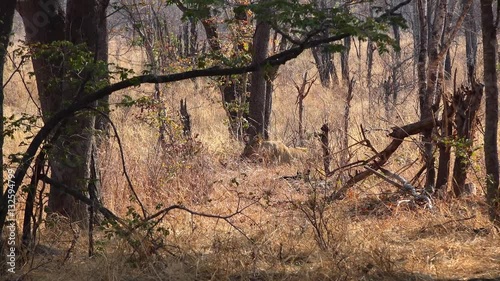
pixel 284 232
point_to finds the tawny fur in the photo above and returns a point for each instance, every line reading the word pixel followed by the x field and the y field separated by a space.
pixel 275 151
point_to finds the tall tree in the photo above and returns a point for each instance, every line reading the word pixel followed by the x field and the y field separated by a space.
pixel 470 40
pixel 83 23
pixel 435 40
pixel 260 101
pixel 7 9
pixel 489 33
pixel 323 57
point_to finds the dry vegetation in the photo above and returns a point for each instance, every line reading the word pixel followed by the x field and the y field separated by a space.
pixel 287 232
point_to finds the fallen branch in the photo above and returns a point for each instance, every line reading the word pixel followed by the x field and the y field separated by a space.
pixel 404 185
pixel 398 134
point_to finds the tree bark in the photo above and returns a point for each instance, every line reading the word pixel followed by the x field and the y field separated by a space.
pixel 7 8
pixel 430 95
pixel 259 102
pixel 489 30
pixel 70 157
pixel 470 40
pixel 344 60
pixel 233 88
pixel 46 32
pixel 444 147
pixel 324 63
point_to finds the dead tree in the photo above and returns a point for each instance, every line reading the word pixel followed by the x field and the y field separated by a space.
pixel 185 119
pixel 325 146
pixel 302 92
pixel 347 108
pixel 398 135
pixel 466 102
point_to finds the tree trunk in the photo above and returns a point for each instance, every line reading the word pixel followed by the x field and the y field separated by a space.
pixel 470 40
pixel 70 156
pixel 344 59
pixel 193 31
pixel 233 88
pixel 102 48
pixel 370 48
pixel 491 120
pixel 259 102
pixel 396 69
pixel 51 31
pixel 326 69
pixel 447 66
pixel 430 93
pixel 466 103
pixel 7 8
pixel 444 147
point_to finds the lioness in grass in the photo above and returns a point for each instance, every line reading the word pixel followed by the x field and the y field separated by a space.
pixel 273 151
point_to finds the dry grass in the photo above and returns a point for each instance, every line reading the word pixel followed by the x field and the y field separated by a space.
pixel 287 232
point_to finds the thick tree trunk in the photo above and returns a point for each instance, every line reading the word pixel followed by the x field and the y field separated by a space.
pixel 344 60
pixel 51 31
pixel 259 102
pixel 70 156
pixel 7 8
pixel 326 69
pixel 491 121
pixel 71 161
pixel 436 33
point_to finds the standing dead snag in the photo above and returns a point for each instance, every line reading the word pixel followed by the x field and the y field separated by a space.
pixel 302 92
pixel 347 108
pixel 325 146
pixel 466 102
pixel 185 119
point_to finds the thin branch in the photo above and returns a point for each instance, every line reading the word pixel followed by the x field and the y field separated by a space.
pixel 79 196
pixel 122 157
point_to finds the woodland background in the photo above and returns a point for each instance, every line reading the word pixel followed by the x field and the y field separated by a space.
pixel 136 131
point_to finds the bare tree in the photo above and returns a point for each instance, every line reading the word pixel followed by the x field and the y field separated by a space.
pixel 302 92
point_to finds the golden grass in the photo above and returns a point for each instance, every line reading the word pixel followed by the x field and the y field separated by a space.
pixel 366 236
